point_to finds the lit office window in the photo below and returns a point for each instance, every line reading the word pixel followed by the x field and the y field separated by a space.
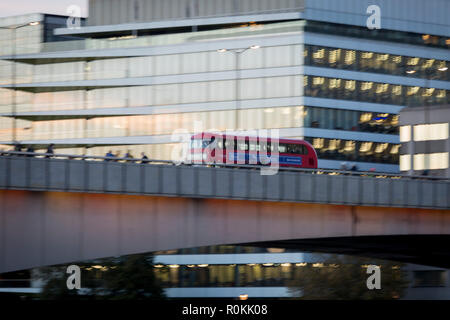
pixel 319 54
pixel 431 161
pixel 394 149
pixel 381 147
pixel 405 162
pixel 425 132
pixel 376 62
pixel 439 160
pixel 350 85
pixel 419 161
pixel 405 133
pixel 366 147
pixel 349 146
pixel 334 56
pixel 350 56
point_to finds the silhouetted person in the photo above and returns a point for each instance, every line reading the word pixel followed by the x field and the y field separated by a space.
pixel 110 155
pixel 50 150
pixel 30 149
pixel 128 155
pixel 144 158
pixel 354 167
pixel 117 156
pixel 17 148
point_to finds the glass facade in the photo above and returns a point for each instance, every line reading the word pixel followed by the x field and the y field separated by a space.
pixel 377 34
pixel 27 38
pixel 384 63
pixel 155 65
pixel 179 93
pixel 350 150
pixel 369 91
pixel 432 161
pixel 350 120
pixel 159 124
pixel 249 275
pixel 155 95
pixel 427 132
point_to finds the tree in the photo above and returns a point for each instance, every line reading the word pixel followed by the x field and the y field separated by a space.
pixel 123 278
pixel 344 278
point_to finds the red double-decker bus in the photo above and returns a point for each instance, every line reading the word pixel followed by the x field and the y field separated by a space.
pixel 207 148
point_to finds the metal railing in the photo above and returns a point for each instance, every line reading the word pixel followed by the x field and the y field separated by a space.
pixel 124 160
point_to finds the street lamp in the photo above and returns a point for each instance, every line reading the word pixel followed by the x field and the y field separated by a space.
pixel 237 54
pixel 14 53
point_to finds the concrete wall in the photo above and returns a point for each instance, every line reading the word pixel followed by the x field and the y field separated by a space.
pixel 46 228
pixel 202 182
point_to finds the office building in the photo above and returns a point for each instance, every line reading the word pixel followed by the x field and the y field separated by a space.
pixel 147 69
pixel 424 134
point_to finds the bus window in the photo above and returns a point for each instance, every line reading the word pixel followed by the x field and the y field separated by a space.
pixel 282 148
pixel 196 144
pixel 263 145
pixel 242 145
pixel 304 149
pixel 229 144
pixel 253 146
pixel 297 149
pixel 207 142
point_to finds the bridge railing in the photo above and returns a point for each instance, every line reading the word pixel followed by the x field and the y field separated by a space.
pixel 219 165
pixel 93 174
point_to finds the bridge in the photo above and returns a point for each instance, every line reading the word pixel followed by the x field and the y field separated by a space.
pixel 70 208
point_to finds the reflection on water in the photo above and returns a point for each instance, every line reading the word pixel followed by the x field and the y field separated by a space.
pixel 217 268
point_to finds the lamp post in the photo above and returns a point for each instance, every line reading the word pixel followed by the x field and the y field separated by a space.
pixel 237 54
pixel 14 54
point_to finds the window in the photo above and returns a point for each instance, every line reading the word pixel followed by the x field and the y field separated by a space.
pixel 405 133
pixel 242 145
pixel 376 62
pixel 253 146
pixel 373 92
pixel 196 144
pixel 405 162
pixel 439 160
pixel 229 144
pixel 419 161
pixel 424 132
pixel 206 143
pixel 348 150
pixel 296 149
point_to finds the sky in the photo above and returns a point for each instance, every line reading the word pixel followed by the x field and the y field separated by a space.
pixel 19 7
